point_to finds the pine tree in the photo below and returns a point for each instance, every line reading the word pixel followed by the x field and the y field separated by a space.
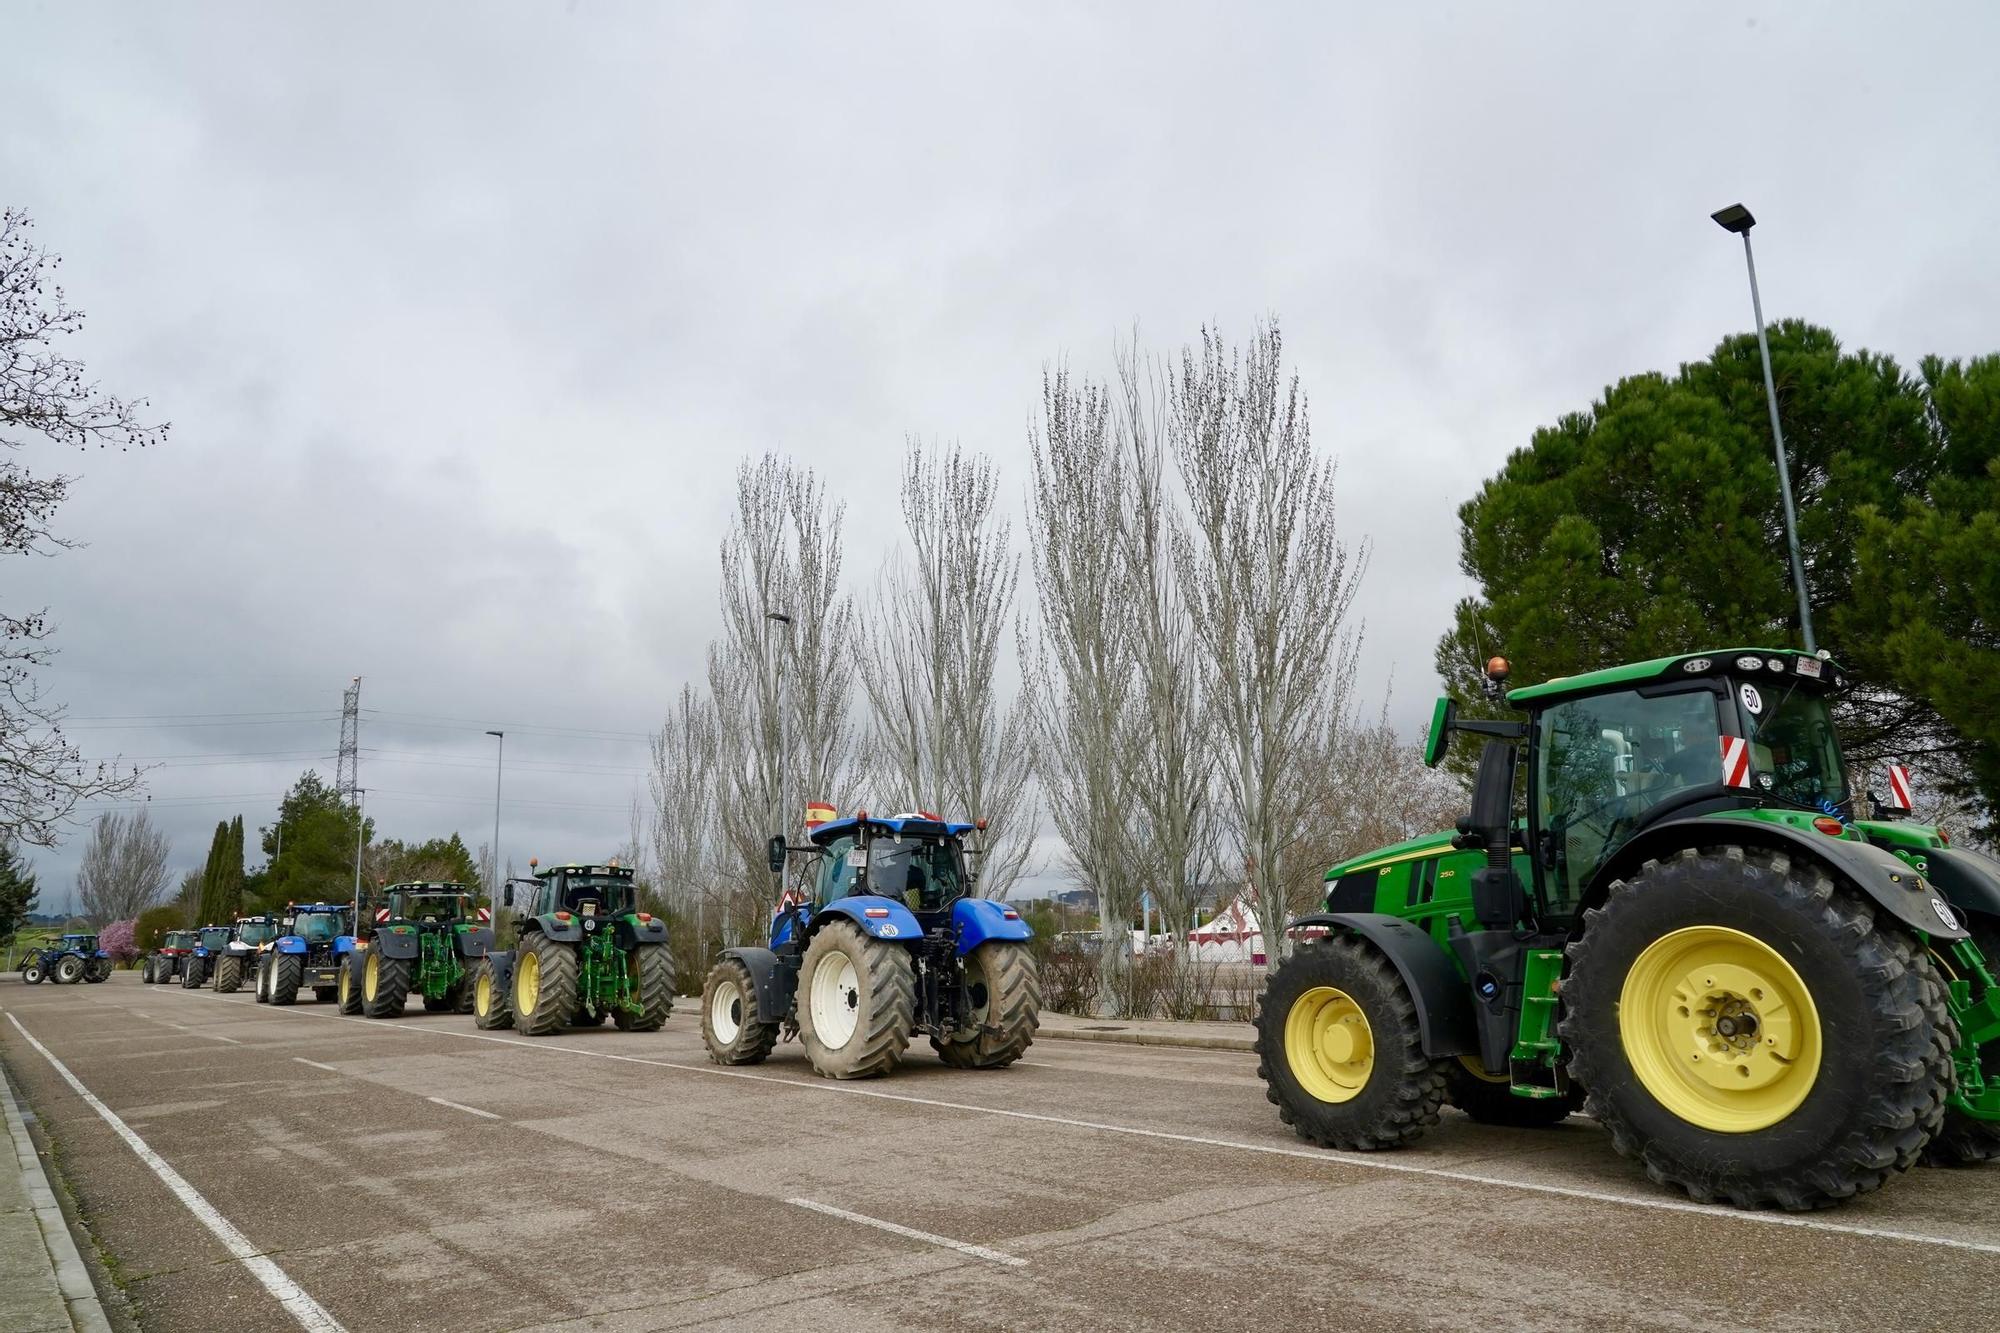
pixel 17 890
pixel 229 896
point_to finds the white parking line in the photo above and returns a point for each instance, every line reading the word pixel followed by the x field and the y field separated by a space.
pixel 303 1308
pixel 315 1064
pixel 459 1106
pixel 1321 1156
pixel 963 1247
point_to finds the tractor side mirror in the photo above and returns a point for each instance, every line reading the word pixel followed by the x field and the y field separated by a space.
pixel 1443 718
pixel 507 895
pixel 776 853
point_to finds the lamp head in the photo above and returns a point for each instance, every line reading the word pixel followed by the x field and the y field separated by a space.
pixel 1734 218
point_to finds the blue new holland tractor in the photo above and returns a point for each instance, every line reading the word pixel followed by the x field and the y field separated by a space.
pixel 310 948
pixel 71 959
pixel 206 951
pixel 892 943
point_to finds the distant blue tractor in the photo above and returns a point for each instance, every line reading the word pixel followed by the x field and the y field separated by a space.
pixel 209 944
pixel 892 943
pixel 311 947
pixel 71 959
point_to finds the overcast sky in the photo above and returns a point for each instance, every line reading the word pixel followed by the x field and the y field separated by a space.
pixel 464 313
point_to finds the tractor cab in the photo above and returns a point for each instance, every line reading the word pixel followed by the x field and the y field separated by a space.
pixel 584 890
pixel 318 930
pixel 254 930
pixel 177 942
pixel 83 944
pixel 918 860
pixel 429 904
pixel 214 939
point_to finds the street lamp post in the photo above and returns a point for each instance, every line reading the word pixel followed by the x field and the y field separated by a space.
pixel 499 762
pixel 1736 218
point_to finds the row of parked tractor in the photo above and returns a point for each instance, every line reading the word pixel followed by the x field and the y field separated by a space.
pixel 890 943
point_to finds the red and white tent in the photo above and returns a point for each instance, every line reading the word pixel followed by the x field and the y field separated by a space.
pixel 1233 936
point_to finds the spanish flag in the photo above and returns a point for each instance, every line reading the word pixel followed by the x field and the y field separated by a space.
pixel 817 813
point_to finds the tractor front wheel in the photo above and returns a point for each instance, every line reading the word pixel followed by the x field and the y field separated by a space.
pixel 1340 1052
pixel 544 985
pixel 31 974
pixel 228 974
pixel 385 985
pixel 1487 1098
pixel 489 998
pixel 261 971
pixel 858 1002
pixel 288 970
pixel 652 977
pixel 1001 1010
pixel 729 1026
pixel 1962 1140
pixel 1750 1033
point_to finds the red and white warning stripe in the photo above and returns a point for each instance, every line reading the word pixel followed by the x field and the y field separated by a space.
pixel 381 915
pixel 1735 762
pixel 485 914
pixel 1900 793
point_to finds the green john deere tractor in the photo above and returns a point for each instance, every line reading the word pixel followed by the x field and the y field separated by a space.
pixel 583 951
pixel 425 938
pixel 1687 933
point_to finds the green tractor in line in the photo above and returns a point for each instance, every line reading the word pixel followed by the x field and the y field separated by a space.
pixel 583 951
pixel 1689 935
pixel 426 938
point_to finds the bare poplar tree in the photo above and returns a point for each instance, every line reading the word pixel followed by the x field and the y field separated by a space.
pixel 47 396
pixel 930 659
pixel 1078 658
pixel 782 694
pixel 686 816
pixel 124 868
pixel 1165 745
pixel 1269 586
pixel 1375 791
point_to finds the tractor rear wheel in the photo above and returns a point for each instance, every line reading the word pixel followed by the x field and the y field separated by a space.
pixel 1749 1032
pixel 1961 1140
pixel 69 969
pixel 652 976
pixel 544 985
pixel 347 990
pixel 287 971
pixel 385 985
pixel 489 998
pixel 1340 1051
pixel 228 974
pixel 1487 1098
pixel 97 970
pixel 1002 1008
pixel 460 995
pixel 857 1002
pixel 729 1026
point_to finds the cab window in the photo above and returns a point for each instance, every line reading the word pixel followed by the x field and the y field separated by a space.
pixel 1606 760
pixel 836 874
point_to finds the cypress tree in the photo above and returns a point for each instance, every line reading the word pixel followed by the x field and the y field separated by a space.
pixel 230 899
pixel 211 876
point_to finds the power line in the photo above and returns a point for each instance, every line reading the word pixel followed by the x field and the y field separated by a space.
pixel 435 721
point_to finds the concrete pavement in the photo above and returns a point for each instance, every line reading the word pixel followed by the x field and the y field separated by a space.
pixel 44 1285
pixel 416 1173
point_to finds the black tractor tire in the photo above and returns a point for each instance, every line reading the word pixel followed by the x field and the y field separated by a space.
pixel 728 1016
pixel 1397 1092
pixel 347 988
pixel 31 974
pixel 228 974
pixel 1884 1062
pixel 653 977
pixel 385 985
pixel 1003 1007
pixel 1960 1140
pixel 882 999
pixel 1488 1101
pixel 70 969
pixel 492 1006
pixel 552 966
pixel 287 971
pixel 146 970
pixel 260 971
pixel 192 975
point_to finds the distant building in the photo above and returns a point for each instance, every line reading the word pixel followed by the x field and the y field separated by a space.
pixel 1079 900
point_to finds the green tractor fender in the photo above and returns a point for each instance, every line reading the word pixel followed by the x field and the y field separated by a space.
pixel 475 942
pixel 1886 880
pixel 1969 881
pixel 563 932
pixel 392 943
pixel 1444 1004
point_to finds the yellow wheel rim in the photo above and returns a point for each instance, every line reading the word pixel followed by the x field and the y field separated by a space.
pixel 1720 1029
pixel 346 983
pixel 1476 1067
pixel 370 978
pixel 1329 1045
pixel 527 982
pixel 482 994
